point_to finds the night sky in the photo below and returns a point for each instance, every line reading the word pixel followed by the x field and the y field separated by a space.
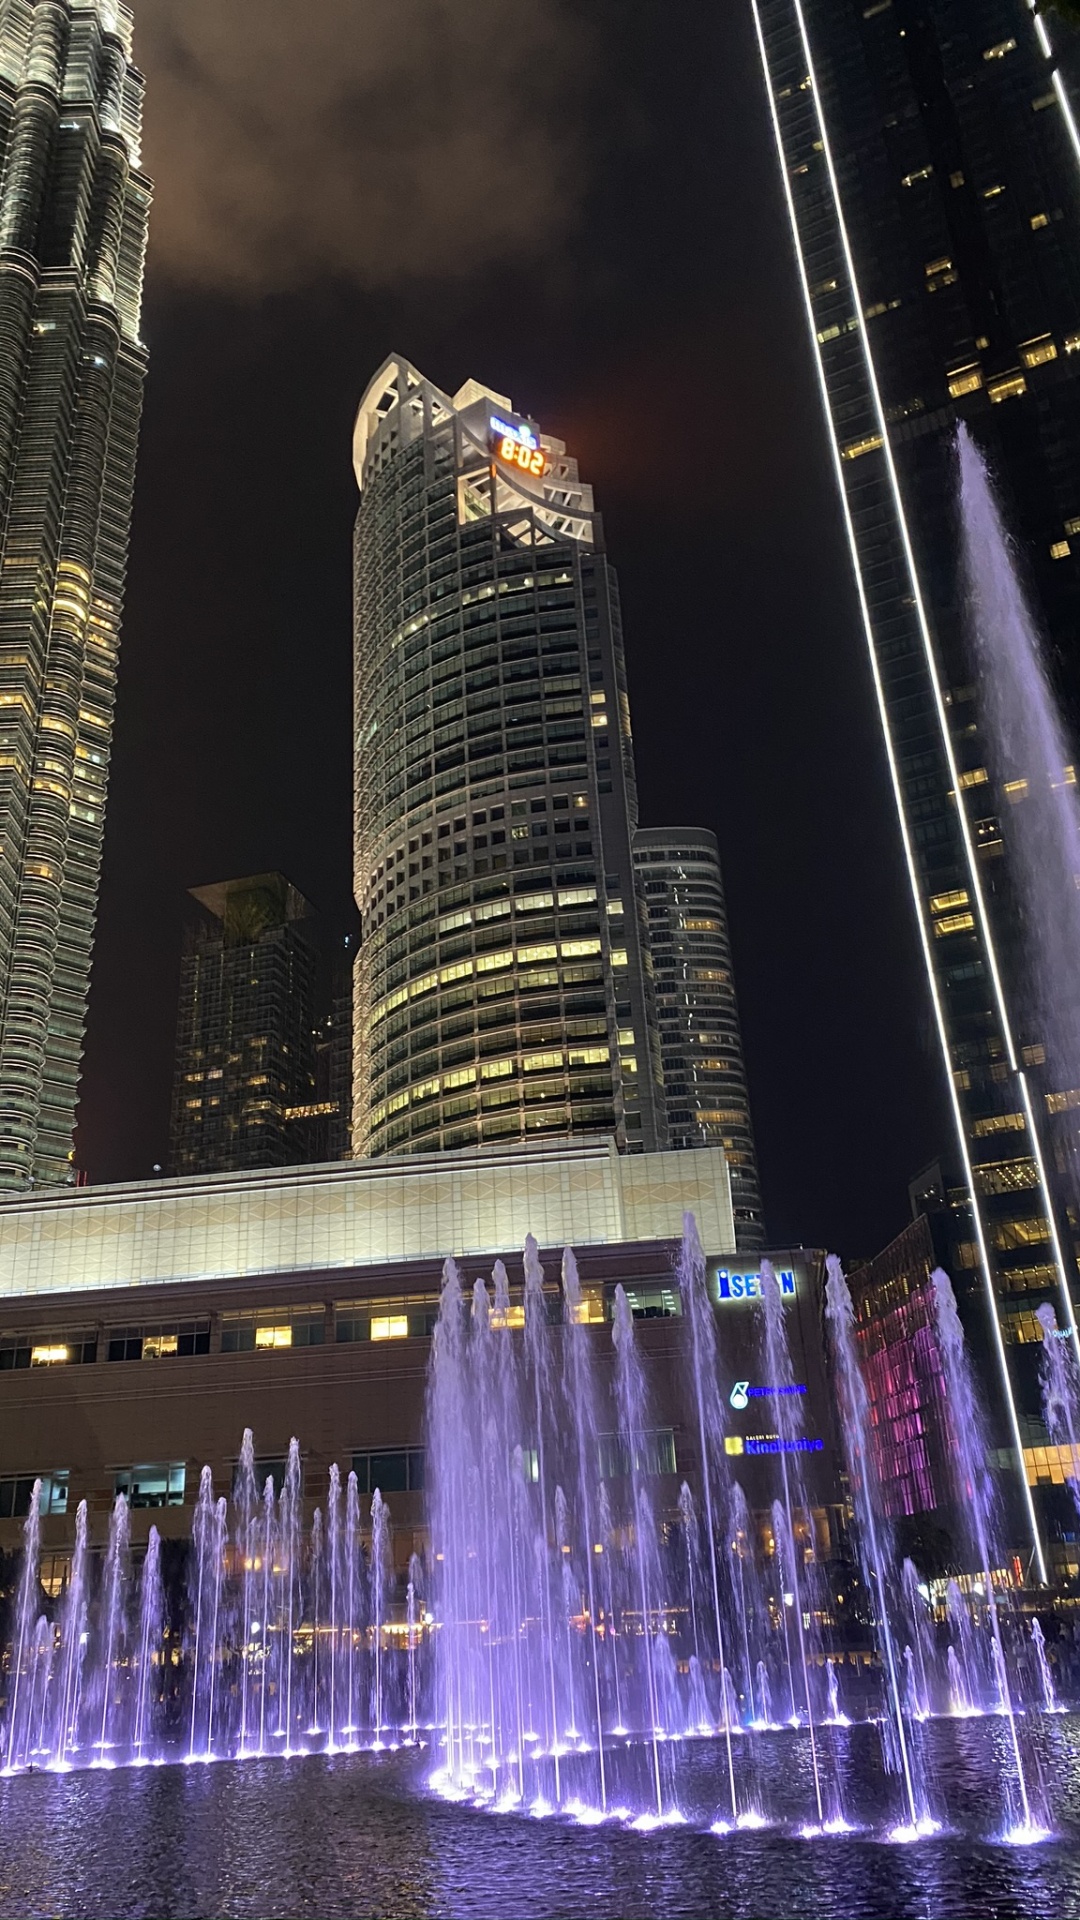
pixel 581 208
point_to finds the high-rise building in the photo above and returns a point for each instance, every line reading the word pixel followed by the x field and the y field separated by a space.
pixel 503 982
pixel 929 156
pixel 700 1039
pixel 262 1041
pixel 73 215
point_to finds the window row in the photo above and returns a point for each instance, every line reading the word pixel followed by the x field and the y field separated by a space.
pixel 278 1329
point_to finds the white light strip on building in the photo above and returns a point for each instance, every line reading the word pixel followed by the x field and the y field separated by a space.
pixel 1056 81
pixel 939 1014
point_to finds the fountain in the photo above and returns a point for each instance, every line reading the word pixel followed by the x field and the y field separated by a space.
pixel 600 1630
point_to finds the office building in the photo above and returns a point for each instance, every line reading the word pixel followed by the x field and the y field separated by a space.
pixel 262 1049
pixel 700 1041
pixel 73 216
pixel 503 988
pixel 929 155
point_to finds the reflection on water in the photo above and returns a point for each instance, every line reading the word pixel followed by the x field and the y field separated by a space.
pixel 359 1835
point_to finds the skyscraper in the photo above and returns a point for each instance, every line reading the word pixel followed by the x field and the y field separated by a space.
pixel 503 986
pixel 929 154
pixel 73 214
pixel 705 1087
pixel 262 1042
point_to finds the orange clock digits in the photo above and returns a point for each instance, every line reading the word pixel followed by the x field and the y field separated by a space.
pixel 530 459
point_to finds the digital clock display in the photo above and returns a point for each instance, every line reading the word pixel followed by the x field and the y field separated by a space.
pixel 518 446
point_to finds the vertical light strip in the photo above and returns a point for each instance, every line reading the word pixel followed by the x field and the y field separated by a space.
pixel 894 771
pixel 1056 80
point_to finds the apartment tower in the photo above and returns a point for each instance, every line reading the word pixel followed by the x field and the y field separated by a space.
pixel 705 1090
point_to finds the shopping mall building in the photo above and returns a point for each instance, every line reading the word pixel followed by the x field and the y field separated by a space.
pixel 144 1327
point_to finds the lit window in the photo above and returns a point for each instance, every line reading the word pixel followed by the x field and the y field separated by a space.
pixel 589 1311
pixel 1039 220
pixel 975 777
pixel 1009 388
pixel 390 1326
pixel 999 50
pixel 856 448
pixel 1001 1123
pixel 954 923
pixel 965 380
pixel 1060 550
pixel 1063 1102
pixel 266 1337
pixel 941 902
pixel 1021 1233
pixel 1035 1056
pixel 155 1345
pixel 507 1316
pixel 1015 791
pixel 158 1485
pixel 49 1356
pixel 1035 353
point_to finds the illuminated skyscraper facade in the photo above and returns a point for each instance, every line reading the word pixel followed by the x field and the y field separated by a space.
pixel 705 1089
pixel 262 1043
pixel 503 987
pixel 73 216
pixel 930 162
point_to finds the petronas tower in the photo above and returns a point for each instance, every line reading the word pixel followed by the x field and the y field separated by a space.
pixel 73 217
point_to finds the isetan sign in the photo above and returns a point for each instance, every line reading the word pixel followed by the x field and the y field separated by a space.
pixel 747 1286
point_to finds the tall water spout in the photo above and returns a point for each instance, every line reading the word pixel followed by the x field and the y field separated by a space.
pixel 151 1625
pixel 334 1595
pixel 1029 758
pixel 26 1613
pixel 708 1407
pixel 247 1509
pixel 290 1604
pixel 73 1639
pixel 114 1625
pixel 875 1548
pixel 354 1602
pixel 630 1389
pixel 788 1424
pixel 381 1569
pixel 1059 1376
pixel 266 1550
pixel 580 1393
pixel 969 1448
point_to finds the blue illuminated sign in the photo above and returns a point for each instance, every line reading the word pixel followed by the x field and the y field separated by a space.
pixel 742 1393
pixel 504 430
pixel 800 1445
pixel 747 1286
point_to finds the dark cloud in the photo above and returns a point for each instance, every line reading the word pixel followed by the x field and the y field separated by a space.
pixel 376 140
